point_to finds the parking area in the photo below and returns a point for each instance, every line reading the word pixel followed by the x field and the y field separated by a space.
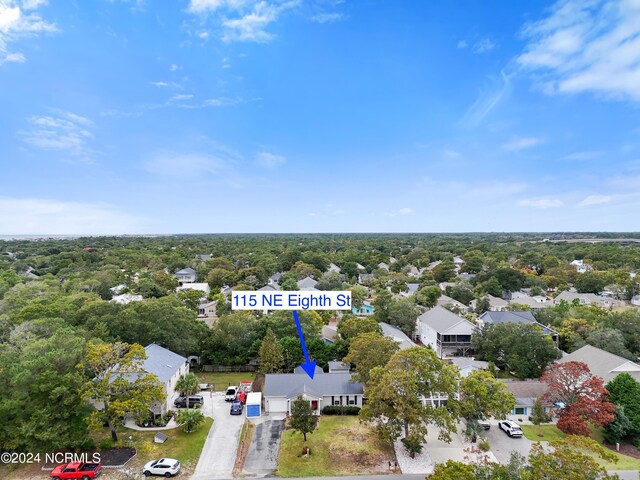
pixel 219 452
pixel 502 444
pixel 262 458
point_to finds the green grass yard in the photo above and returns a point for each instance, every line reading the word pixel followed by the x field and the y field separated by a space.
pixel 551 432
pixel 548 432
pixel 221 381
pixel 340 445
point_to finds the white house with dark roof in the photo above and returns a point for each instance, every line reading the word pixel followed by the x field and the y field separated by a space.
pixel 602 363
pixel 496 304
pixel 281 389
pixel 447 333
pixel 201 287
pixel 186 275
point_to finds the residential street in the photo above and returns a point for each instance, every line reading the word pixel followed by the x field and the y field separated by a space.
pixel 219 451
pixel 262 458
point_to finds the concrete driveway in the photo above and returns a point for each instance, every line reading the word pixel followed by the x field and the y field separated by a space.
pixel 219 452
pixel 262 458
pixel 502 444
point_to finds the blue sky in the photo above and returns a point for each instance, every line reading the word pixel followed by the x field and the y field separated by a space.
pixel 318 116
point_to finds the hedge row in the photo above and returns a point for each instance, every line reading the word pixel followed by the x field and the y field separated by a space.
pixel 338 410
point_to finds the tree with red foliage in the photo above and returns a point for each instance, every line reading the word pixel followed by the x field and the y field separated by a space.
pixel 583 395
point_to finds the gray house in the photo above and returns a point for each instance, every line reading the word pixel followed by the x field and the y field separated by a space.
pixel 602 363
pixel 281 389
pixel 307 283
pixel 186 275
pixel 522 317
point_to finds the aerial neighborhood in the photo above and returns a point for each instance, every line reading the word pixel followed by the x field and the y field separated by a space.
pixel 482 349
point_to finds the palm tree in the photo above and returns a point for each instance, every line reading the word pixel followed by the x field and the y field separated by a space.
pixel 187 385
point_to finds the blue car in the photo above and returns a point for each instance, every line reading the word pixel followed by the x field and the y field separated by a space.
pixel 236 408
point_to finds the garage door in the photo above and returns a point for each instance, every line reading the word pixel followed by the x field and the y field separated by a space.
pixel 276 405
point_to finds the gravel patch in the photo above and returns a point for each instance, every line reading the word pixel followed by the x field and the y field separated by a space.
pixel 422 462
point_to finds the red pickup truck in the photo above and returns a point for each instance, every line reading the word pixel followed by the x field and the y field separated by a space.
pixel 81 471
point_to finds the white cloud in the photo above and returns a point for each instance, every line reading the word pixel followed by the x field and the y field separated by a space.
pixel 174 67
pixel 484 45
pixel 269 160
pixel 241 20
pixel 587 46
pixel 159 84
pixel 595 200
pixel 487 100
pixel 582 156
pixel 64 132
pixel 405 211
pixel 38 216
pixel 328 18
pixel 181 97
pixel 17 21
pixel 463 44
pixel 185 166
pixel 541 203
pixel 522 143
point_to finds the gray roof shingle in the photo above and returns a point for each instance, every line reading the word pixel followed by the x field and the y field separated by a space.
pixel 289 385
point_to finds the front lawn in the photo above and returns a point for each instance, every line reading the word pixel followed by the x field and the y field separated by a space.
pixel 551 432
pixel 341 445
pixel 548 432
pixel 221 381
pixel 185 447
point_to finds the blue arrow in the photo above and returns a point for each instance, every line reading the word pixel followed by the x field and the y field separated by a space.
pixel 308 365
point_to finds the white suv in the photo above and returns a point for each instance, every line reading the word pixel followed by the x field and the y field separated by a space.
pixel 231 395
pixel 166 467
pixel 511 428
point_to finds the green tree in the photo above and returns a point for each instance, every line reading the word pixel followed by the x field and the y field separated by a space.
pixel 381 305
pixel 403 314
pixel 621 427
pixel 291 352
pixel 395 393
pixel 110 366
pixel 188 384
pixel 538 415
pixel 482 396
pixel 610 340
pixel 523 349
pixel 367 351
pixel 571 458
pixel 428 296
pixel 624 391
pixel 482 305
pixel 270 353
pixel 40 405
pixel 452 470
pixel 190 419
pixel 232 338
pixel 302 418
pixel 351 327
pixel 329 281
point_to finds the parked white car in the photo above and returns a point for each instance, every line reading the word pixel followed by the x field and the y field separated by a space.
pixel 165 467
pixel 231 395
pixel 511 428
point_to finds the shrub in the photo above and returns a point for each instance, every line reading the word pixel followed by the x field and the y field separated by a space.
pixel 106 444
pixel 340 410
pixel 484 446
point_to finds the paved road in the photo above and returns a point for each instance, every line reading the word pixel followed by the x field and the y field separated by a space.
pixel 262 458
pixel 219 452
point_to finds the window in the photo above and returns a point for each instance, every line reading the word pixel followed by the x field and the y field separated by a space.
pixel 520 411
pixel 352 402
pixel 336 402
